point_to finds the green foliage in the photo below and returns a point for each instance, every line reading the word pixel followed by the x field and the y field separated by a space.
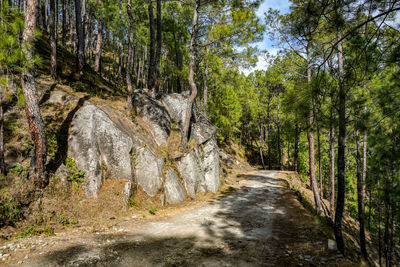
pixel 74 174
pixel 153 211
pixel 21 98
pixel 27 232
pixel 21 170
pixel 65 221
pixel 10 209
pixel 131 203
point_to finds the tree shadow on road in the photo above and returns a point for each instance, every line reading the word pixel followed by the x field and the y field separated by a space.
pixel 250 227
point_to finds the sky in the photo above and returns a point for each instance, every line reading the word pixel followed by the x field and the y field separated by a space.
pixel 267 44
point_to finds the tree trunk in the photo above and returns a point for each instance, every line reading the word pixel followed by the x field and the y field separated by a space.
pixel 278 125
pixel 150 76
pixel 261 134
pixel 37 171
pixel 205 87
pixel 2 164
pixel 296 148
pixel 158 51
pixel 360 196
pixel 379 226
pixel 53 44
pixel 332 171
pixel 98 44
pixel 321 187
pixel 64 21
pixel 311 154
pixel 192 52
pixel 80 59
pixel 128 64
pixel 341 165
pixel 269 137
pixel 179 63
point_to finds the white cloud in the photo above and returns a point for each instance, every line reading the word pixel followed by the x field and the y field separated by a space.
pixel 262 63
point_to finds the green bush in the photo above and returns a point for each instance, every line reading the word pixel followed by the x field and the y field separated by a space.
pixel 75 175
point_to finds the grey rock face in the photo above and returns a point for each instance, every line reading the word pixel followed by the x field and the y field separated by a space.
pixel 174 192
pixel 148 170
pixel 210 164
pixel 192 174
pixel 62 98
pixel 176 105
pixel 156 115
pixel 202 131
pixel 94 139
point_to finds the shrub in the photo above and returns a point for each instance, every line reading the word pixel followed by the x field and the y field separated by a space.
pixel 75 175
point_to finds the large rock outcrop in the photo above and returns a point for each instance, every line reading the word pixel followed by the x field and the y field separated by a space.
pixel 108 145
pixel 95 143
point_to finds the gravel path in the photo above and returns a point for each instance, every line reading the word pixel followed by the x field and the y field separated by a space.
pixel 240 228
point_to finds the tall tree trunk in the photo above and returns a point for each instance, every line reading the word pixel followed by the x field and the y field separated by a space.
pixel 128 64
pixel 179 63
pixel 80 36
pixel 332 171
pixel 278 125
pixel 98 44
pixel 53 44
pixel 379 225
pixel 205 87
pixel 192 52
pixel 311 154
pixel 64 28
pixel 37 171
pixel 158 51
pixel 296 148
pixel 2 164
pixel 152 62
pixel 360 196
pixel 321 187
pixel 341 165
pixel 269 136
pixel 261 135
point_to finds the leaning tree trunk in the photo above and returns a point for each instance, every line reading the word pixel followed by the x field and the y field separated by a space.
pixel 80 59
pixel 360 196
pixel 128 64
pixel 152 62
pixel 311 154
pixel 53 44
pixel 158 51
pixel 341 165
pixel 192 52
pixel 37 173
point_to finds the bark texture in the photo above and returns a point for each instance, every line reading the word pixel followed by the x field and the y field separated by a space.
pixel 37 171
pixel 192 52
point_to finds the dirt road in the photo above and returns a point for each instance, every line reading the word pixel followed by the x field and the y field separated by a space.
pixel 260 223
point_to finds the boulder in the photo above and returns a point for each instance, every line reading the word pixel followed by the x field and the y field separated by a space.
pixel 176 105
pixel 62 98
pixel 173 190
pixel 210 165
pixel 202 131
pixel 148 170
pixel 94 140
pixel 155 115
pixel 190 169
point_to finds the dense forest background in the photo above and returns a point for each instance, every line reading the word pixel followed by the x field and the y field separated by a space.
pixel 326 106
